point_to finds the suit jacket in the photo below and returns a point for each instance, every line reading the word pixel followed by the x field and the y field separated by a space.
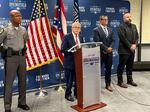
pixel 67 43
pixel 99 36
pixel 127 35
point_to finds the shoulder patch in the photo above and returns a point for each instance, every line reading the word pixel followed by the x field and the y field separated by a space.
pixel 1 30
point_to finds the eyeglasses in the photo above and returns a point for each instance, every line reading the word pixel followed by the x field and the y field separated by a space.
pixel 105 19
pixel 76 27
pixel 17 16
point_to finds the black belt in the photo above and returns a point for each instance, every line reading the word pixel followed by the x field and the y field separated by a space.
pixel 18 53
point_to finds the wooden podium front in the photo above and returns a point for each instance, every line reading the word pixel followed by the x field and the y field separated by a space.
pixel 87 61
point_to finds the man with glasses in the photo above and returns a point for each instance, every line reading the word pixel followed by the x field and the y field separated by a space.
pixel 104 34
pixel 68 42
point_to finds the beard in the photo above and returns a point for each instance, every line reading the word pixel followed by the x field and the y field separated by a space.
pixel 128 21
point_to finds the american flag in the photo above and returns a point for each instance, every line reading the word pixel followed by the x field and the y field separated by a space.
pixel 59 28
pixel 41 47
pixel 76 13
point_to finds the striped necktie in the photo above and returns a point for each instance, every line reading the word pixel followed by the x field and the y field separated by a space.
pixel 106 31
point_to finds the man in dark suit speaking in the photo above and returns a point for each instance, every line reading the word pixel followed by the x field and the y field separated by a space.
pixel 104 34
pixel 68 42
pixel 128 39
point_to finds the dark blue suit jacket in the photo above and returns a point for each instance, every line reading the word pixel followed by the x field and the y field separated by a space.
pixel 99 36
pixel 67 43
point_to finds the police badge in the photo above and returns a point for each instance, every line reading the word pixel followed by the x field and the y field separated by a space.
pixel 1 30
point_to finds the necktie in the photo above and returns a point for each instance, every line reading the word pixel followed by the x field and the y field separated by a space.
pixel 76 39
pixel 77 43
pixel 106 31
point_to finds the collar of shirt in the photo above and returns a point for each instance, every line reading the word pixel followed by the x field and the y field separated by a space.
pixel 103 26
pixel 105 29
pixel 74 36
pixel 16 28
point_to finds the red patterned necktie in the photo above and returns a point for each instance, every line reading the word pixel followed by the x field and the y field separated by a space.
pixel 76 36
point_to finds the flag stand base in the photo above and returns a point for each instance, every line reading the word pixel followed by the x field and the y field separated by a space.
pixel 41 93
pixel 60 88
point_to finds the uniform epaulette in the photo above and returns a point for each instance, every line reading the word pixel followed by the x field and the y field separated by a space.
pixel 1 30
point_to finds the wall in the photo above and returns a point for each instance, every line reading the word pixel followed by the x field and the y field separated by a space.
pixel 90 10
pixel 135 12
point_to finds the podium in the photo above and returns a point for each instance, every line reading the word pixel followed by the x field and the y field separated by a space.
pixel 88 77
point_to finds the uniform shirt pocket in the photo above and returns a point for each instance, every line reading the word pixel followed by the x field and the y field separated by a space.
pixel 11 35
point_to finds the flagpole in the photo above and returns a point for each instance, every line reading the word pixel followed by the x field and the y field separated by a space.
pixel 60 87
pixel 41 91
pixel 58 14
